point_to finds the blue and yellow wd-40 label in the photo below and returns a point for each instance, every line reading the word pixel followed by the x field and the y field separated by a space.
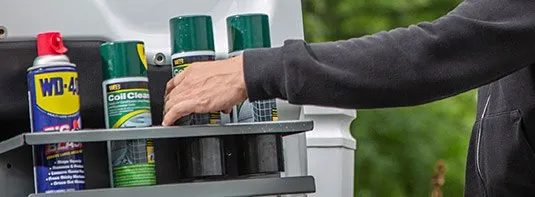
pixel 54 107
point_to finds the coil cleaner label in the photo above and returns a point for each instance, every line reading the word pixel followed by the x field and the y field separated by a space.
pixel 179 64
pixel 54 107
pixel 128 105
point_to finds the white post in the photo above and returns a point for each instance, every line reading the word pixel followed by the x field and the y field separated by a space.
pixel 295 149
pixel 295 153
pixel 331 150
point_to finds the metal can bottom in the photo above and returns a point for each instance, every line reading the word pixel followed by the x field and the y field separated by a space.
pixel 201 158
pixel 260 154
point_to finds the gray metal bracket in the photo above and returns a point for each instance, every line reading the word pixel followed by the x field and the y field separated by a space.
pixel 98 135
pixel 16 173
pixel 247 187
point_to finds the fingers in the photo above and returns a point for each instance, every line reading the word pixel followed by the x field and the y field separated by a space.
pixel 172 83
pixel 201 88
pixel 175 96
pixel 170 86
pixel 178 111
pixel 167 106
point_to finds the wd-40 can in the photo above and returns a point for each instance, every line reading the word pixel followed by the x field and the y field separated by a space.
pixel 259 154
pixel 54 106
pixel 127 104
pixel 192 41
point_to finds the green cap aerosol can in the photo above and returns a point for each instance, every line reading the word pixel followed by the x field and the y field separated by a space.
pixel 127 104
pixel 192 40
pixel 258 154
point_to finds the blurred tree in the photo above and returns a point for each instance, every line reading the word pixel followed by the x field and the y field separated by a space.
pixel 397 148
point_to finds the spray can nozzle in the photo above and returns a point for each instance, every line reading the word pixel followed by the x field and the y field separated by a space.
pixel 50 43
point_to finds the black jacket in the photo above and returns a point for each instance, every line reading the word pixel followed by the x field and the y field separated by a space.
pixel 482 43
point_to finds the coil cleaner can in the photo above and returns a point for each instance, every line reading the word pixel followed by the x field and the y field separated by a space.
pixel 192 41
pixel 259 154
pixel 54 106
pixel 127 104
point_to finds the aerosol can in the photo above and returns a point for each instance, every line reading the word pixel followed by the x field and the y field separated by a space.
pixel 258 154
pixel 126 95
pixel 55 107
pixel 192 40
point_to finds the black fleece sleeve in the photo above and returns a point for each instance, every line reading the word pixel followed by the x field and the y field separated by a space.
pixel 478 42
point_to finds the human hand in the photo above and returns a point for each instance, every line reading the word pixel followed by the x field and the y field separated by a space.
pixel 205 87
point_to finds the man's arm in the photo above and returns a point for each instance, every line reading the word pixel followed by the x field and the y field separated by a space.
pixel 478 42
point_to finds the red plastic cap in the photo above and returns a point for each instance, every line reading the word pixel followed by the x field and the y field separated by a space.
pixel 50 43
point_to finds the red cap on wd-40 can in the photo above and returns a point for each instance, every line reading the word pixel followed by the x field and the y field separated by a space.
pixel 50 43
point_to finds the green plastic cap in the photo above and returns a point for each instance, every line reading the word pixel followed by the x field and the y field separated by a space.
pixel 191 33
pixel 123 59
pixel 248 31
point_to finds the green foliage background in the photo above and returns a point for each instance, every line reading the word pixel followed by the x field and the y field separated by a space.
pixel 397 148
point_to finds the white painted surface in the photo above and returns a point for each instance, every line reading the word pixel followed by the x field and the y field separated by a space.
pixel 142 19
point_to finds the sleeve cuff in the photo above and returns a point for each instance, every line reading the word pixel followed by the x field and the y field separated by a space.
pixel 264 73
